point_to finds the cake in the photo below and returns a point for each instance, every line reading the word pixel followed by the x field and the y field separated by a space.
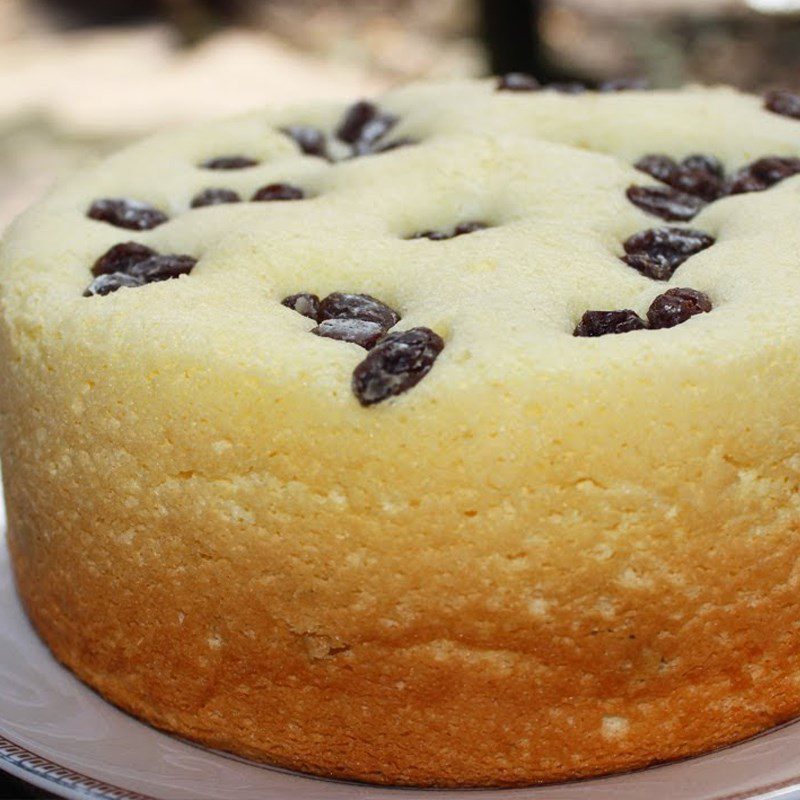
pixel 449 439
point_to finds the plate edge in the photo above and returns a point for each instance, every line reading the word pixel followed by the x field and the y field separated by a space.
pixel 27 765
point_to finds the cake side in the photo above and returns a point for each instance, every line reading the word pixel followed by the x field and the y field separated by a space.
pixel 324 635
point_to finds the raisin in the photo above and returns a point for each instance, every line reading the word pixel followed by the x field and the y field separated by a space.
pixel 303 303
pixel 162 268
pixel 699 183
pixel 215 197
pixel 568 87
pixel 459 230
pixel 699 175
pixel 743 182
pixel 658 252
pixel 125 213
pixel 650 266
pixel 397 363
pixel 624 85
pixel 518 82
pixel 434 236
pixel 665 202
pixel 363 125
pixel 709 164
pixel 229 162
pixel 661 167
pixel 676 306
pixel 355 118
pixel 469 227
pixel 311 141
pixel 121 257
pixel 762 174
pixel 279 191
pixel 600 323
pixel 110 282
pixel 773 169
pixel 357 306
pixel 376 129
pixel 783 102
pixel 359 331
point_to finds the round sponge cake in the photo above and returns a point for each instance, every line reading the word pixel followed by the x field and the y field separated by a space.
pixel 429 441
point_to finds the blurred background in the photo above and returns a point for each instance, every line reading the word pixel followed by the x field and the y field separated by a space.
pixel 81 77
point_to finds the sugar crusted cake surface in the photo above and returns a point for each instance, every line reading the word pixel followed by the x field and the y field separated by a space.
pixel 535 562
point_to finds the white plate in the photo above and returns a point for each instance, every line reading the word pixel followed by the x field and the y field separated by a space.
pixel 59 735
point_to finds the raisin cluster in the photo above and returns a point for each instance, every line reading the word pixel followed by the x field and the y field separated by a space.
pixel 397 361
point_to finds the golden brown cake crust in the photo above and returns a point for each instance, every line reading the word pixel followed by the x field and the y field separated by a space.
pixel 555 557
pixel 418 709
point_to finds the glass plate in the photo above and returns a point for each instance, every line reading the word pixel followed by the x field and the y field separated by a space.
pixel 59 735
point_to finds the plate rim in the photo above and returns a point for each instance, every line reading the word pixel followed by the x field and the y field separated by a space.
pixel 63 781
pixel 72 785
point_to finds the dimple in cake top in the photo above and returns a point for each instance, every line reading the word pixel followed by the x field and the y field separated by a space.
pixel 439 205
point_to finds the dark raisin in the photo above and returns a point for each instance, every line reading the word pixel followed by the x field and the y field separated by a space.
pixel 661 167
pixel 355 118
pixel 665 202
pixel 658 252
pixel 469 227
pixel 364 124
pixel 358 331
pixel 459 230
pixel 624 85
pixel 399 361
pixel 744 182
pixel 357 306
pixel 568 87
pixel 783 102
pixel 369 144
pixel 229 162
pixel 121 257
pixel 311 141
pixel 600 323
pixel 762 174
pixel 518 82
pixel 215 197
pixel 434 236
pixel 697 174
pixel 303 303
pixel 700 184
pixel 279 191
pixel 125 213
pixel 110 282
pixel 709 164
pixel 773 169
pixel 676 306
pixel 162 268
pixel 650 266
pixel 376 129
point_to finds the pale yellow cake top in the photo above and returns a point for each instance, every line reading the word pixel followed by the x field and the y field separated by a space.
pixel 546 171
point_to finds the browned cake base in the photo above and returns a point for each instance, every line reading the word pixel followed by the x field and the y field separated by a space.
pixel 420 709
